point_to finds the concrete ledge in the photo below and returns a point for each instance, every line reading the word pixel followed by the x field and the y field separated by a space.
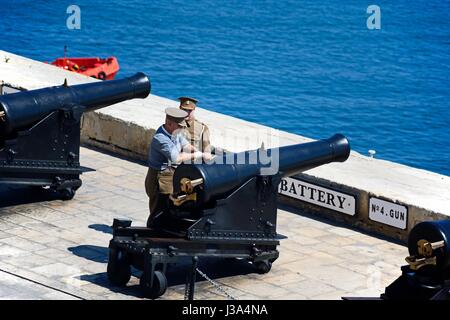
pixel 127 128
pixel 113 134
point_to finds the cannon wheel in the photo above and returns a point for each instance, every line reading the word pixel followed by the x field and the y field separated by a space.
pixel 119 271
pixel 263 266
pixel 67 194
pixel 159 285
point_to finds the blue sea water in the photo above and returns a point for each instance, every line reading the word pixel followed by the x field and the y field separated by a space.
pixel 308 67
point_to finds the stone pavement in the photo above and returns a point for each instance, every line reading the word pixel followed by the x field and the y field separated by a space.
pixel 52 249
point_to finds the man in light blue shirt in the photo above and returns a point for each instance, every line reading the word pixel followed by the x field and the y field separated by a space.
pixel 169 147
pixel 165 149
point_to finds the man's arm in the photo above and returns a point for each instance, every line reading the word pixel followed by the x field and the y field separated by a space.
pixel 189 148
pixel 189 152
pixel 188 157
pixel 206 143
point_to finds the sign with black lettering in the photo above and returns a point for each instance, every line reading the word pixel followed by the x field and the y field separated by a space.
pixel 324 197
pixel 387 212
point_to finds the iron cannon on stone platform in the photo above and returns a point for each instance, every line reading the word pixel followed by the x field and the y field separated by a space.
pixel 40 130
pixel 224 208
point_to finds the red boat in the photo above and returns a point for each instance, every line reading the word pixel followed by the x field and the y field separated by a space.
pixel 103 69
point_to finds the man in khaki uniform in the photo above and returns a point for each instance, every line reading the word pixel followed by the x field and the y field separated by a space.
pixel 169 147
pixel 197 132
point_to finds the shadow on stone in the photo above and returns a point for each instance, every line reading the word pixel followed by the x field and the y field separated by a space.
pixel 90 252
pixel 13 195
pixel 101 227
pixel 214 268
pixel 101 279
pixel 334 222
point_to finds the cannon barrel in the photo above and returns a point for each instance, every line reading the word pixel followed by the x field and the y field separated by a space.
pixel 222 176
pixel 21 110
pixel 435 235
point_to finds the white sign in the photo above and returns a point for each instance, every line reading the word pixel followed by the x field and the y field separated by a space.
pixel 320 196
pixel 388 213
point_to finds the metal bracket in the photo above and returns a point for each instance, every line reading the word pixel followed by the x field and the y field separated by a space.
pixel 187 185
pixel 10 156
pixel 190 281
pixel 425 256
pixel 179 200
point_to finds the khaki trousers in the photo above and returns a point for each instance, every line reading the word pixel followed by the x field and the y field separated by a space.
pixel 158 186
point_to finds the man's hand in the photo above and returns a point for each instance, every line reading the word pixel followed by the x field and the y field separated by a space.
pixel 198 155
pixel 207 156
pixel 190 157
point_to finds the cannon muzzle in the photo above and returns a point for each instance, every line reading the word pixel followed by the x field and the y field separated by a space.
pixel 220 177
pixel 21 110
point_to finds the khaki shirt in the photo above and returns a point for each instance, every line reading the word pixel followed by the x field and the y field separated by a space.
pixel 198 135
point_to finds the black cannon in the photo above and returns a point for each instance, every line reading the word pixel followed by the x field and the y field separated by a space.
pixel 427 274
pixel 224 208
pixel 40 130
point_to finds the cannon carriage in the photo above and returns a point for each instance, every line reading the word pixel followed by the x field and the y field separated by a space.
pixel 226 208
pixel 40 130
